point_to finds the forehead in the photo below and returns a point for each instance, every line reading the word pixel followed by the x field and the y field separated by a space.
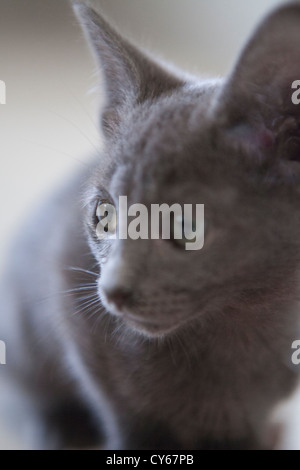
pixel 166 148
pixel 161 138
pixel 166 125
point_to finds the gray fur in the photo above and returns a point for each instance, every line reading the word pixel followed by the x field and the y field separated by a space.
pixel 199 353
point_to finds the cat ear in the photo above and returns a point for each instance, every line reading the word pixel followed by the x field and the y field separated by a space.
pixel 129 76
pixel 258 103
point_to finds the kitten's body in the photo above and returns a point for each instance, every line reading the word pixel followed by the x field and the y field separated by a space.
pixel 213 380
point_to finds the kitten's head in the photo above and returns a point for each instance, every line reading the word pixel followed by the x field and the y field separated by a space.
pixel 231 145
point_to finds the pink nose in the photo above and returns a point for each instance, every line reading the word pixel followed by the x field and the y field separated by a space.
pixel 119 296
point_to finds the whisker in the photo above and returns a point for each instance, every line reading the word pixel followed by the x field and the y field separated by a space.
pixel 55 150
pixel 99 318
pixel 91 312
pixel 184 349
pixel 86 300
pixel 80 289
pixel 86 297
pixel 85 306
pixel 68 292
pixel 82 107
pixel 81 270
pixel 78 129
pixel 170 347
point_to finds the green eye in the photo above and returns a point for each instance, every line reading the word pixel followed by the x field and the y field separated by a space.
pixel 106 220
pixel 181 230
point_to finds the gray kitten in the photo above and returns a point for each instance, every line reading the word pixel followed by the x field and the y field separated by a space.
pixel 142 344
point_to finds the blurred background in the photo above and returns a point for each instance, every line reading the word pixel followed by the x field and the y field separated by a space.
pixel 48 126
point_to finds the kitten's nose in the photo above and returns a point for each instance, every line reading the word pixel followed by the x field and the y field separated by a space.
pixel 120 296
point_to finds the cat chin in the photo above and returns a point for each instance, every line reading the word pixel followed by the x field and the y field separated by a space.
pixel 150 330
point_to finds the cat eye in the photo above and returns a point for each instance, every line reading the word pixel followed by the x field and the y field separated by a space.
pixel 182 230
pixel 106 220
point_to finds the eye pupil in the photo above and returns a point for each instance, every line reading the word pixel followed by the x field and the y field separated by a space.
pixel 105 227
